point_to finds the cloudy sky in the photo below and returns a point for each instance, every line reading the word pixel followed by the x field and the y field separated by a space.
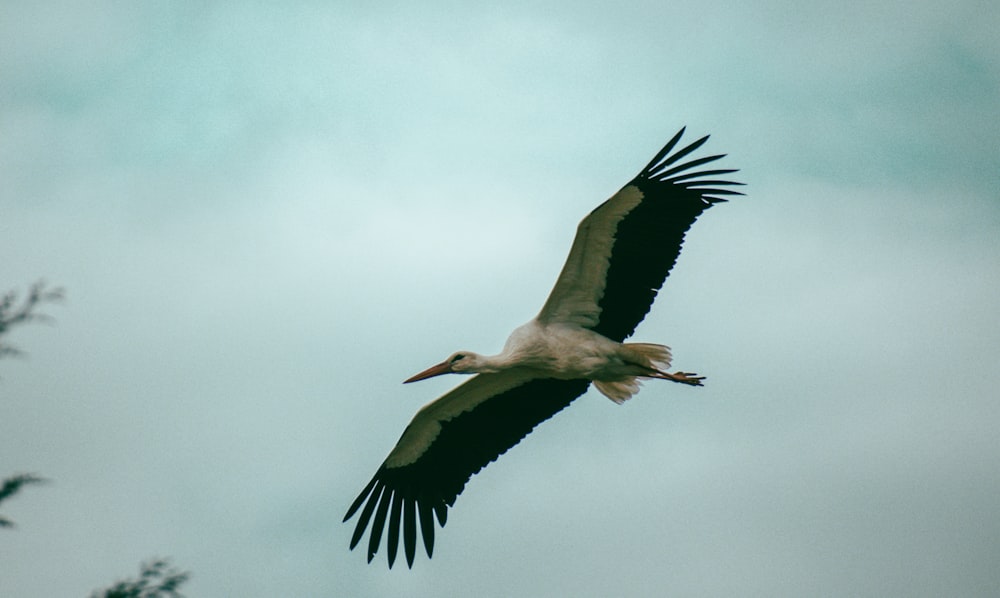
pixel 266 216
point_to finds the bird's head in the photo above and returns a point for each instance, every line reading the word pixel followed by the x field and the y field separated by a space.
pixel 462 362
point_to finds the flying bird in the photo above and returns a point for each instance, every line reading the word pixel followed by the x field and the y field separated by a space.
pixel 622 253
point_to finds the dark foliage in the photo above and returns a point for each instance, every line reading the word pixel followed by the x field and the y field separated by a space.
pixel 157 579
pixel 11 486
pixel 13 312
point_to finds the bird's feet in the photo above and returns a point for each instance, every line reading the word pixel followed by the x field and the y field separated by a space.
pixel 689 378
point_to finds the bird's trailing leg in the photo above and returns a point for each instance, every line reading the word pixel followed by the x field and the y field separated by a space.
pixel 689 378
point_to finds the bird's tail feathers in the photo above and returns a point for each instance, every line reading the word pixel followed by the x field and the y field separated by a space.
pixel 618 391
pixel 647 355
pixel 655 358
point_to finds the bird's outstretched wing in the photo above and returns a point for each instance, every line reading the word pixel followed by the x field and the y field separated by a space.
pixel 626 247
pixel 447 442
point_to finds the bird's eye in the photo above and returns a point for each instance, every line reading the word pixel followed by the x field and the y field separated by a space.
pixel 457 358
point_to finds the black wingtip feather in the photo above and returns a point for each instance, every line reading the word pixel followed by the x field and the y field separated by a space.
pixel 676 157
pixel 441 511
pixel 427 527
pixel 410 530
pixel 716 191
pixel 378 524
pixel 392 541
pixel 360 499
pixel 702 182
pixel 366 514
pixel 701 173
pixel 663 152
pixel 663 176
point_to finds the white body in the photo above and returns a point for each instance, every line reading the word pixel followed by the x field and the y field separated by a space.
pixel 568 352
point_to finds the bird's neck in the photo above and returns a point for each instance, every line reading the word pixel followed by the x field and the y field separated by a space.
pixel 490 364
pixel 513 355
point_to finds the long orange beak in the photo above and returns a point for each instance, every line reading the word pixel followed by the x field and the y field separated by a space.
pixel 435 370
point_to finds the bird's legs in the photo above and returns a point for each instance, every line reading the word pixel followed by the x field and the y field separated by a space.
pixel 689 378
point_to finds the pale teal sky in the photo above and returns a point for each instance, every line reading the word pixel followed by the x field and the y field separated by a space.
pixel 267 216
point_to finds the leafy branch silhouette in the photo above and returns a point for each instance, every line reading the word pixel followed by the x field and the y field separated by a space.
pixel 13 313
pixel 157 579
pixel 12 486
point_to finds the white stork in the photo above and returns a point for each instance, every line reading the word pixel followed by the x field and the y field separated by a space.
pixel 622 253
